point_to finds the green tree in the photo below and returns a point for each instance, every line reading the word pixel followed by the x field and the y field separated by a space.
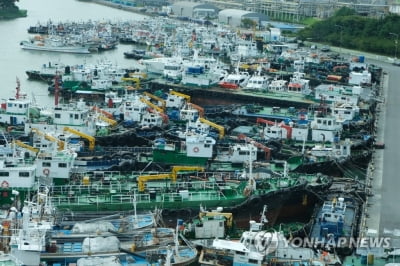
pixel 6 4
pixel 346 29
pixel 248 23
pixel 344 11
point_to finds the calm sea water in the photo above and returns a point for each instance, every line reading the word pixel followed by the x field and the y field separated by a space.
pixel 14 61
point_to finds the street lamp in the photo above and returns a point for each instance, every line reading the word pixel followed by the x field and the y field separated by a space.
pixel 341 36
pixel 395 43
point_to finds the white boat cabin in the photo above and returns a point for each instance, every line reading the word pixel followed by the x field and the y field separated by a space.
pixel 339 150
pixel 150 120
pixel 257 82
pixel 199 145
pixel 325 129
pixel 345 111
pixel 14 111
pixel 236 153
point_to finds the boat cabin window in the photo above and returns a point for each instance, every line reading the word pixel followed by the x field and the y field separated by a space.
pixel 62 165
pixel 57 115
pixel 4 174
pixel 23 174
pixel 46 164
pixel 76 116
pixel 276 109
pixel 253 261
pixel 240 253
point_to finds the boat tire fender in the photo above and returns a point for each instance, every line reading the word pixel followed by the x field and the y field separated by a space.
pixel 5 184
pixel 196 149
pixel 46 171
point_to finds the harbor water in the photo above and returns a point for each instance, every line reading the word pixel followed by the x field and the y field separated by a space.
pixel 15 61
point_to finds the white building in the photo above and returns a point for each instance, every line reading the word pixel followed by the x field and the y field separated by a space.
pixel 194 10
pixel 234 17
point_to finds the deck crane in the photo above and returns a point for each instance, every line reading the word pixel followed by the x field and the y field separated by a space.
pixel 83 135
pixel 156 98
pixel 185 96
pixel 220 129
pixel 103 112
pixel 152 105
pixel 289 129
pixel 111 122
pixel 156 108
pixel 26 146
pixel 198 108
pixel 256 144
pixel 135 80
pixel 60 143
pixel 173 175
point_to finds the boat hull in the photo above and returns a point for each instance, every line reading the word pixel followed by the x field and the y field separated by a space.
pixel 62 49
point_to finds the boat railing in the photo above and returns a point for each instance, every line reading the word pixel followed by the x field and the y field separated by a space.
pixel 138 198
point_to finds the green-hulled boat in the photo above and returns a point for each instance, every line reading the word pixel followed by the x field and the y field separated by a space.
pixel 186 187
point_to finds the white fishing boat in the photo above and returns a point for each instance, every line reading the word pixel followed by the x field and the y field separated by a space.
pixel 235 80
pixel 298 84
pixel 258 247
pixel 257 82
pixel 54 44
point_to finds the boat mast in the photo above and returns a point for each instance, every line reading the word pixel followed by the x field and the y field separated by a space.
pixel 251 177
pixel 56 90
pixel 18 88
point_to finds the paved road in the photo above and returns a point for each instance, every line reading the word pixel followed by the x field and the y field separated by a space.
pixel 389 128
pixel 384 206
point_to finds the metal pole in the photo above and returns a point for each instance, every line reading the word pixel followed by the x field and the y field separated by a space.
pixel 395 43
pixel 341 36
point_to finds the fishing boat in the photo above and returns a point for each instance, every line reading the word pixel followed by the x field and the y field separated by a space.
pixel 261 247
pixel 336 219
pixel 75 115
pixel 54 44
pixel 235 80
pixel 185 188
pixel 257 82
pixel 197 150
pixel 39 241
pixel 138 54
pixel 14 111
pixel 160 247
pixel 198 76
pixel 48 71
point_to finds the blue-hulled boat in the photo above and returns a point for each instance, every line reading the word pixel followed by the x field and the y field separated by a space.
pixel 336 223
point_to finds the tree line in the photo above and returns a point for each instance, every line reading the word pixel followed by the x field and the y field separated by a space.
pixel 349 30
pixel 8 4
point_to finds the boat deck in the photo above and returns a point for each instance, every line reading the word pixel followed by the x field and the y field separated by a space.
pixel 222 189
pixel 281 97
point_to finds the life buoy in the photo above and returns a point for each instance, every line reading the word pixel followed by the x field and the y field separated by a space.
pixel 46 171
pixel 196 149
pixel 5 184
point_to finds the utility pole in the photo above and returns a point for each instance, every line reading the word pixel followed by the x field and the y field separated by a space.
pixel 396 41
pixel 341 37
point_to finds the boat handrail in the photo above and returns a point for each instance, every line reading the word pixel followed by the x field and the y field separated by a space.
pixel 139 198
